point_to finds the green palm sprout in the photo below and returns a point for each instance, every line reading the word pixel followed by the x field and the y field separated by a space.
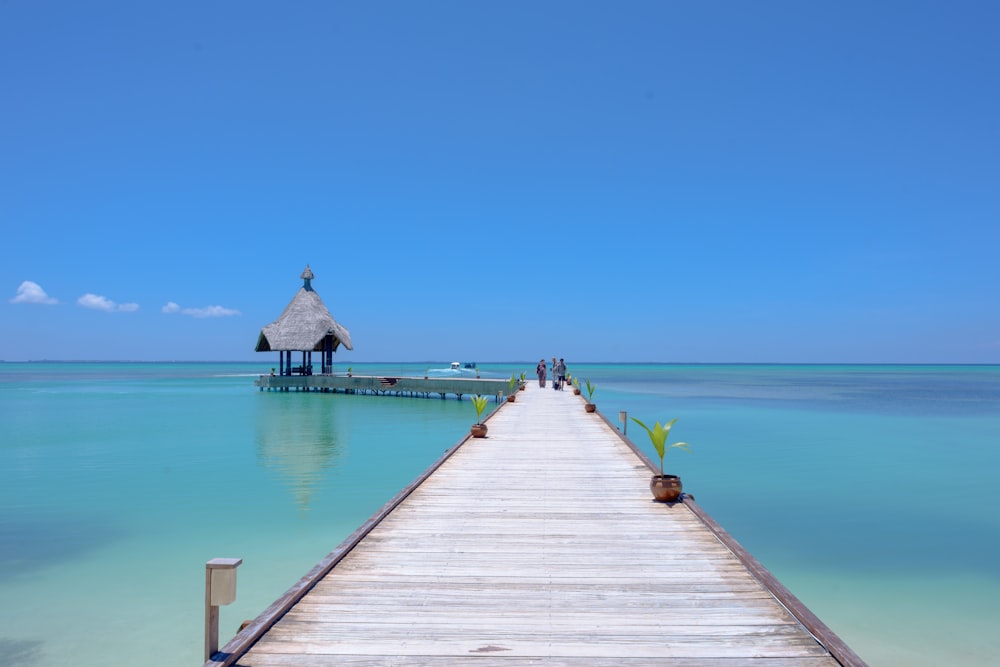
pixel 658 435
pixel 479 402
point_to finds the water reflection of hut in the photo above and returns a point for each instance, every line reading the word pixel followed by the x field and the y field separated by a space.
pixel 304 442
pixel 305 326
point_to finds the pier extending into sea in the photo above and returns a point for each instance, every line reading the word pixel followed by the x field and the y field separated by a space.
pixel 539 544
pixel 386 385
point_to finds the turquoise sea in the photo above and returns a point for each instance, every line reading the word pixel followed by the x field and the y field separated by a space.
pixel 867 490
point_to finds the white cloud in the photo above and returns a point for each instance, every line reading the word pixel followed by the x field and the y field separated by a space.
pixel 211 311
pixel 95 302
pixel 201 313
pixel 98 302
pixel 30 292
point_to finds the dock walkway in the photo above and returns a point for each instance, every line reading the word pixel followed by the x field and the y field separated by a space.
pixel 538 545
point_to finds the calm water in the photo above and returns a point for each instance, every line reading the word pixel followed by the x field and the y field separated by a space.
pixel 867 490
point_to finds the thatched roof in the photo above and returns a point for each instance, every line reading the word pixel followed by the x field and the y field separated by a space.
pixel 304 325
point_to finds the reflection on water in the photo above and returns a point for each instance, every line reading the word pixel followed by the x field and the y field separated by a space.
pixel 20 652
pixel 299 436
pixel 30 544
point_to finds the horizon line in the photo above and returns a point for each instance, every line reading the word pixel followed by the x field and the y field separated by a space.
pixel 605 362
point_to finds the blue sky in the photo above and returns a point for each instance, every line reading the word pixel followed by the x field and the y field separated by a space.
pixel 633 181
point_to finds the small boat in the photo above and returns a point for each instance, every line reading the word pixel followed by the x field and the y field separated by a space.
pixel 456 369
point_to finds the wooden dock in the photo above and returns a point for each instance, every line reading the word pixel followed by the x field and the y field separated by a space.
pixel 386 385
pixel 538 545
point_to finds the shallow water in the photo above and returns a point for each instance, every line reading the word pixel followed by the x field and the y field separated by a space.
pixel 866 490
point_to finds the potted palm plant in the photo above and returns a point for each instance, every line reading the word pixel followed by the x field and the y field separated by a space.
pixel 590 407
pixel 522 382
pixel 479 428
pixel 512 384
pixel 576 386
pixel 665 488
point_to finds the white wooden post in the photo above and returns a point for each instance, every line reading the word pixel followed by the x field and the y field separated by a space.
pixel 220 590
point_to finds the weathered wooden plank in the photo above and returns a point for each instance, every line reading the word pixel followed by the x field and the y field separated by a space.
pixel 491 659
pixel 731 642
pixel 632 622
pixel 537 545
pixel 577 596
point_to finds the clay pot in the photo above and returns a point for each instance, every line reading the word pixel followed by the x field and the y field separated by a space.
pixel 511 398
pixel 666 488
pixel 478 430
pixel 590 407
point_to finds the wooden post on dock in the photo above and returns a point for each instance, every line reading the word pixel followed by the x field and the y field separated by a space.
pixel 220 590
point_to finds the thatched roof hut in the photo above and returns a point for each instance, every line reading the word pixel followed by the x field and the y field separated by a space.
pixel 305 326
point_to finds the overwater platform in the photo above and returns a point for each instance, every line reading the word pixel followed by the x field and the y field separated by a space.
pixel 538 545
pixel 380 384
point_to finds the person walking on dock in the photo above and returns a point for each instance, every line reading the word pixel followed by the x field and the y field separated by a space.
pixel 561 373
pixel 555 374
pixel 540 370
